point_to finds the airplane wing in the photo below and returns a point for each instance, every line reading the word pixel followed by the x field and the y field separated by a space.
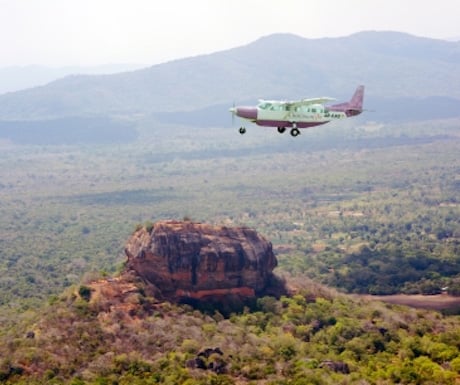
pixel 306 102
pixel 296 103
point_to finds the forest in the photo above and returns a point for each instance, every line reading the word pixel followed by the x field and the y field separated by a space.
pixel 366 210
pixel 369 209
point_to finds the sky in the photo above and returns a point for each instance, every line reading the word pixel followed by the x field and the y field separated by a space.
pixel 59 33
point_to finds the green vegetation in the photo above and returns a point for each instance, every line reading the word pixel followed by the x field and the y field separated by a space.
pixel 378 214
pixel 315 337
pixel 368 210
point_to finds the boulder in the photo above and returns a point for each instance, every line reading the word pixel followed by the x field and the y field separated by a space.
pixel 209 359
pixel 336 366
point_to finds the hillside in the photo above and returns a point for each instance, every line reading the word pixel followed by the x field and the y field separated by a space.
pixel 391 65
pixel 15 78
pixel 111 332
pixel 160 321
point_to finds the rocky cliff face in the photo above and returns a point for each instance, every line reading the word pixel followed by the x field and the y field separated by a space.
pixel 192 261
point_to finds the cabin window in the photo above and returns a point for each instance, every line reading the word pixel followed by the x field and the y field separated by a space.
pixel 313 110
pixel 264 106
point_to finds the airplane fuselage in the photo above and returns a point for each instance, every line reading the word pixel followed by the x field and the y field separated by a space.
pixel 273 114
pixel 303 113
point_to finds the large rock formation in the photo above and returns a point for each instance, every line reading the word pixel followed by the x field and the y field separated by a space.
pixel 187 261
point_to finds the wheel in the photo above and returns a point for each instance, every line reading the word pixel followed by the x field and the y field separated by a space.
pixel 295 132
pixel 242 130
pixel 281 129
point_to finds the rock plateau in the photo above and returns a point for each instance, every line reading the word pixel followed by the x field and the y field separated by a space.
pixel 195 262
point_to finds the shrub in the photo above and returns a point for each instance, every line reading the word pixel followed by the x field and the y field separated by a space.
pixel 85 292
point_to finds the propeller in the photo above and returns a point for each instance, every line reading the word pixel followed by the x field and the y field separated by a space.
pixel 233 111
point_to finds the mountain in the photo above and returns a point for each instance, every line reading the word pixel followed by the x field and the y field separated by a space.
pixel 16 78
pixel 417 76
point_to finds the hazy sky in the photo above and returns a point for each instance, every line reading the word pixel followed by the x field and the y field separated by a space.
pixel 92 32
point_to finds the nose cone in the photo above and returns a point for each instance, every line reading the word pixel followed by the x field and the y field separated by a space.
pixel 245 112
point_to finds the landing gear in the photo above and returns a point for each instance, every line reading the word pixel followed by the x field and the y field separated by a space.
pixel 294 131
pixel 242 130
pixel 281 129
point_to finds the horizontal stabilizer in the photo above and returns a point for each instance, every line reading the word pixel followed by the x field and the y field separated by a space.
pixel 354 106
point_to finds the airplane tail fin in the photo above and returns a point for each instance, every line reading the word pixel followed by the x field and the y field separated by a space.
pixel 356 102
pixel 354 106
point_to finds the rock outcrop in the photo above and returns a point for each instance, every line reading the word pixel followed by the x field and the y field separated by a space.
pixel 187 261
pixel 209 359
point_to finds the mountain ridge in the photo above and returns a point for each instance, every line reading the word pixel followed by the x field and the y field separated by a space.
pixel 391 64
pixel 18 78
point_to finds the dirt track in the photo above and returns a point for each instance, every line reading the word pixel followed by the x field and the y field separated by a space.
pixel 432 302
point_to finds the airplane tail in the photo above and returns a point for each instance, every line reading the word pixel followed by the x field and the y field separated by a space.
pixel 354 106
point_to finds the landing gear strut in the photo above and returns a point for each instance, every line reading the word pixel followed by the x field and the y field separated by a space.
pixel 294 131
pixel 242 130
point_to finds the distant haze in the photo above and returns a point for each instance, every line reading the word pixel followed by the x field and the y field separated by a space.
pixel 86 33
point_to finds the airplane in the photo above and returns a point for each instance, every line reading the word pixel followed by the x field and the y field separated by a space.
pixel 304 113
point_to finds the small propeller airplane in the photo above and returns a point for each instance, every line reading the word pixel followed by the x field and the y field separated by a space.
pixel 304 113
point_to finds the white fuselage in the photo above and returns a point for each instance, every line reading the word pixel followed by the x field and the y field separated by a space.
pixel 274 113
